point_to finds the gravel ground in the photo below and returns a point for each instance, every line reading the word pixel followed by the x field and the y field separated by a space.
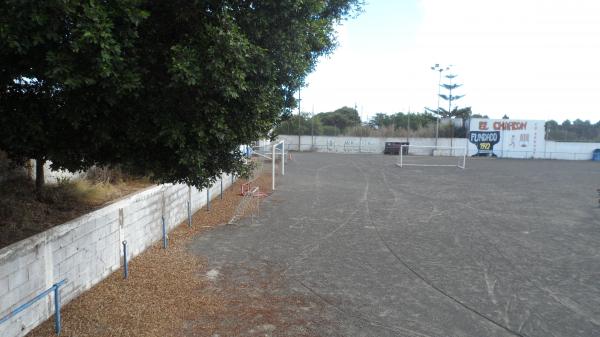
pixel 171 293
pixel 352 245
pixel 502 248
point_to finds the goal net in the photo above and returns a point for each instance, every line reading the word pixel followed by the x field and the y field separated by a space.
pixel 412 155
pixel 268 157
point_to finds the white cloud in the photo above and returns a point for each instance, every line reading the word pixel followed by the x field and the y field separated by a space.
pixel 525 58
pixel 536 59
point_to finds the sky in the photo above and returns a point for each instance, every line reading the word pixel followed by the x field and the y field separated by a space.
pixel 528 59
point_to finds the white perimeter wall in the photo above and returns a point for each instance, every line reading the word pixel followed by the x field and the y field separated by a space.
pixel 570 150
pixel 86 250
pixel 359 144
pixel 551 150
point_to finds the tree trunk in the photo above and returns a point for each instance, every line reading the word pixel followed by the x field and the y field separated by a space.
pixel 39 177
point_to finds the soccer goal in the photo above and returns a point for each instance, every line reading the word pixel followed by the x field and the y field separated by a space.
pixel 274 153
pixel 412 155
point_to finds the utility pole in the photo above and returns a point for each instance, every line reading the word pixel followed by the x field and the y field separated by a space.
pixel 359 129
pixel 299 113
pixel 312 128
pixel 408 125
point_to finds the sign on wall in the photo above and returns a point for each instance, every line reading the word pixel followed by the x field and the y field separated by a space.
pixel 509 138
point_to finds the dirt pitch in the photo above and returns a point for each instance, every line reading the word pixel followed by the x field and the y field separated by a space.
pixel 352 245
pixel 502 248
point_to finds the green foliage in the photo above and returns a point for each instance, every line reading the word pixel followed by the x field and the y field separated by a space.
pixel 55 56
pixel 341 118
pixel 247 169
pixel 449 97
pixel 167 89
pixel 324 123
pixel 578 130
pixel 304 122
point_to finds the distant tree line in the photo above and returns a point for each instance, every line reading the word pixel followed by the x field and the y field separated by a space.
pixel 346 121
pixel 577 131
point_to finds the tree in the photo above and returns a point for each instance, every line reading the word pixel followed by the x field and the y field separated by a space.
pixel 505 116
pixel 551 124
pixel 449 87
pixel 479 116
pixel 163 88
pixel 449 98
pixel 291 124
pixel 464 114
pixel 63 66
pixel 341 118
pixel 380 120
pixel 578 130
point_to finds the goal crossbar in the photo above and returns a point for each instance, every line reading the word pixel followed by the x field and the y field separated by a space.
pixel 460 158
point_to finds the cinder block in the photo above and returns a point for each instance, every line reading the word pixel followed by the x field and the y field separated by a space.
pixel 37 273
pixel 100 244
pixel 10 328
pixel 66 266
pixel 65 252
pixel 62 241
pixel 27 291
pixel 84 229
pixel 9 266
pixel 3 286
pixel 17 278
pixel 9 300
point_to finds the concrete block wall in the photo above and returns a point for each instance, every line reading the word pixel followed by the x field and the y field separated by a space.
pixel 343 144
pixel 87 249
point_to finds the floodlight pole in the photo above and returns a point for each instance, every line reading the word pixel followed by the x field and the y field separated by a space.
pixel 299 113
pixel 437 120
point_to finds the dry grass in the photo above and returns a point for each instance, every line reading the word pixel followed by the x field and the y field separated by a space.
pixel 167 295
pixel 23 215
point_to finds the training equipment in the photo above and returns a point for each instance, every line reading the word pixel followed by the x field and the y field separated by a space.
pixel 412 155
pixel 248 206
pixel 273 152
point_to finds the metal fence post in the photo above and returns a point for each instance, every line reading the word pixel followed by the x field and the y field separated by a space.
pixel 125 264
pixel 208 199
pixel 189 207
pixel 54 289
pixel 164 230
pixel 189 204
pixel 57 309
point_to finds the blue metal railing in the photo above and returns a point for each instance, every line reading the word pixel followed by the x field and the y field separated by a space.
pixel 125 264
pixel 26 305
pixel 208 198
pixel 164 232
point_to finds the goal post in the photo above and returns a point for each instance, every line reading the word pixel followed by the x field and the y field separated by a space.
pixel 275 152
pixel 274 149
pixel 440 156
